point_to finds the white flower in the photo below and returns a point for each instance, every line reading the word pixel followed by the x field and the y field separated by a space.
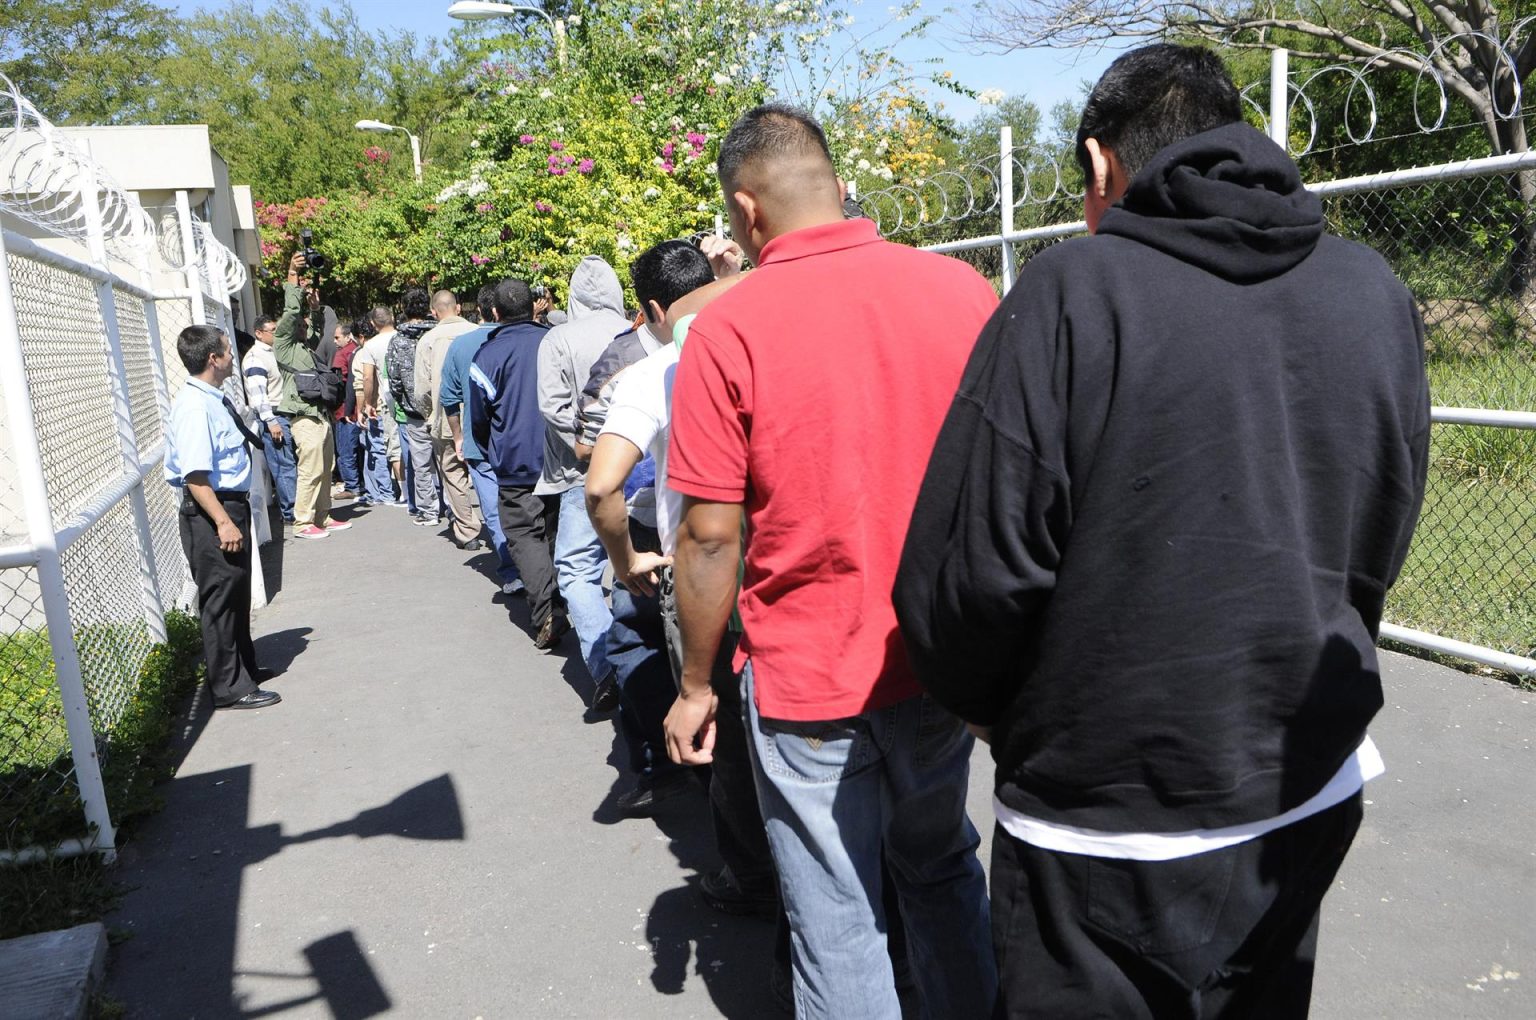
pixel 713 168
pixel 701 62
pixel 651 193
pixel 702 207
pixel 863 164
pixel 573 20
pixel 546 94
pixel 720 79
pixel 991 97
pixel 474 143
pixel 782 7
pixel 884 173
pixel 625 242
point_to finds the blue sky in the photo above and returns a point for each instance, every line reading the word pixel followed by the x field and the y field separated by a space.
pixel 1045 76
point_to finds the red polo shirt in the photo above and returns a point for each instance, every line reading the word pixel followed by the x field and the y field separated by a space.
pixel 811 393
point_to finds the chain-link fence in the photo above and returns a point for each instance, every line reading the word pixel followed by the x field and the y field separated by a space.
pixel 90 553
pixel 1463 238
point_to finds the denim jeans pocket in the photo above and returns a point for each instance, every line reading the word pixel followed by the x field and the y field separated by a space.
pixel 939 733
pixel 1160 906
pixel 817 752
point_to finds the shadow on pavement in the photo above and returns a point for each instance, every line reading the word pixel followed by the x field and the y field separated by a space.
pixel 185 904
pixel 278 651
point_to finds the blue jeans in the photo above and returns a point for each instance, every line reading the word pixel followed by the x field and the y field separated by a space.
pixel 579 559
pixel 378 486
pixel 834 796
pixel 347 438
pixel 283 463
pixel 487 492
pixel 637 651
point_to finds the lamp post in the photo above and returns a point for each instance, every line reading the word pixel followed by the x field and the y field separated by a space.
pixel 481 10
pixel 379 125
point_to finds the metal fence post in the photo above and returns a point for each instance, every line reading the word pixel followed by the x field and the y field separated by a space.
pixel 189 253
pixel 1279 98
pixel 1005 182
pixel 122 403
pixel 50 571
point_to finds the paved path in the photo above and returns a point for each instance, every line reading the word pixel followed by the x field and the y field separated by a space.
pixel 424 828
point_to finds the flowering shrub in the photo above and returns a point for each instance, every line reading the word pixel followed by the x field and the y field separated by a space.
pixel 614 151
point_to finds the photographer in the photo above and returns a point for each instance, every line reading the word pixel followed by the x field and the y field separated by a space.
pixel 309 392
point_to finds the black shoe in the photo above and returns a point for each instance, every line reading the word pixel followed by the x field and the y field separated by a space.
pixel 256 699
pixel 648 793
pixel 473 545
pixel 721 891
pixel 552 630
pixel 605 697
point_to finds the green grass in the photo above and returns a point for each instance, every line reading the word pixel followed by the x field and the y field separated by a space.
pixel 38 800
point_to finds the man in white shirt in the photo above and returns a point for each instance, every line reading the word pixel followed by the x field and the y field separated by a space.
pixel 263 388
pixel 372 416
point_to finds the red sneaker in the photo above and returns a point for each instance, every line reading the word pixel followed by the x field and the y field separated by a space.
pixel 310 531
pixel 335 525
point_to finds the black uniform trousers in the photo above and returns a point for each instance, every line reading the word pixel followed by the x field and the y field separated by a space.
pixel 529 523
pixel 223 597
pixel 1226 934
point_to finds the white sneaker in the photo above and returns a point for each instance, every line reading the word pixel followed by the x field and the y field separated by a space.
pixel 513 588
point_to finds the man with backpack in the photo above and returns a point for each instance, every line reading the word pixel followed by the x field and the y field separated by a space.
pixel 415 432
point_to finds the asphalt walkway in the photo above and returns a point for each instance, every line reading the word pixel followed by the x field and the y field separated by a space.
pixel 424 828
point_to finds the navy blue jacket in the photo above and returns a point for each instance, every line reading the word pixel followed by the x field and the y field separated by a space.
pixel 504 403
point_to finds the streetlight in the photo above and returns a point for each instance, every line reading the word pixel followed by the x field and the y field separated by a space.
pixel 379 125
pixel 481 10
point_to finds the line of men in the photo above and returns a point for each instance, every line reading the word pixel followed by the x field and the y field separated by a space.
pixel 1133 526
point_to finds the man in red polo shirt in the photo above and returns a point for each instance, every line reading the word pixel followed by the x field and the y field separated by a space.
pixel 808 399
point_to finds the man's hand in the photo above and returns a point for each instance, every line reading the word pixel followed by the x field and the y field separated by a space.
pixel 541 306
pixel 458 446
pixel 643 572
pixel 690 728
pixel 981 733
pixel 724 255
pixel 583 451
pixel 296 265
pixel 276 432
pixel 230 538
pixel 312 295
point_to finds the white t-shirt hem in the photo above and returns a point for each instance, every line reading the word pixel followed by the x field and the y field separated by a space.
pixel 1361 767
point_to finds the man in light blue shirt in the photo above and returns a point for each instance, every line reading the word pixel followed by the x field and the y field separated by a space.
pixel 206 458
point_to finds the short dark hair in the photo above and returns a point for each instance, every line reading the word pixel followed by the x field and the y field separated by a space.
pixel 665 272
pixel 382 318
pixel 1152 97
pixel 364 329
pixel 513 300
pixel 416 303
pixel 485 300
pixel 262 322
pixel 770 129
pixel 196 344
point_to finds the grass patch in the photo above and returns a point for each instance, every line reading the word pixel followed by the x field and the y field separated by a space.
pixel 38 799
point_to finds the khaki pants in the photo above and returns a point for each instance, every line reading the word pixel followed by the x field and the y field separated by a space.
pixel 457 490
pixel 317 458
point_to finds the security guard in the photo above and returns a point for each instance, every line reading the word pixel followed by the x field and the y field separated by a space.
pixel 206 458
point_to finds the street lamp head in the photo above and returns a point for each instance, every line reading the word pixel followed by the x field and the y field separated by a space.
pixel 373 125
pixel 480 10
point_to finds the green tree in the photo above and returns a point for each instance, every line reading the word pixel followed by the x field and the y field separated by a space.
pixel 86 61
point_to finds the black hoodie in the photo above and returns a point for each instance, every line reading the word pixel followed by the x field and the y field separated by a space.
pixel 1157 527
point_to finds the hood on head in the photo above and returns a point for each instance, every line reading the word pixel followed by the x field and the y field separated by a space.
pixel 1229 201
pixel 595 287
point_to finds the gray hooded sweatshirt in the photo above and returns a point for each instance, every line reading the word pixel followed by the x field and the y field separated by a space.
pixel 565 362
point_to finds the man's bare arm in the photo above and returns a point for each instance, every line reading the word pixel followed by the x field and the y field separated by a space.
pixel 705 571
pixel 613 458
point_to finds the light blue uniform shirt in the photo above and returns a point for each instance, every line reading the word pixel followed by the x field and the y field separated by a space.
pixel 203 437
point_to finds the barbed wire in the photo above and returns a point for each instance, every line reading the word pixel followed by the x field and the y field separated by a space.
pixel 49 181
pixel 1430 98
pixel 960 193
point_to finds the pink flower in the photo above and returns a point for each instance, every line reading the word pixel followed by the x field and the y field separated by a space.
pixel 667 167
pixel 585 166
pixel 479 260
pixel 668 149
pixel 557 146
pixel 485 207
pixel 695 139
pixel 557 171
pixel 543 207
pixel 526 139
pixel 638 99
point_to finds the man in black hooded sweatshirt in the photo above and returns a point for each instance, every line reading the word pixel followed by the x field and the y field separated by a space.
pixel 1149 557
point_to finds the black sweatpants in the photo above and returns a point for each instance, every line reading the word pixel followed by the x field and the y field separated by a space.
pixel 223 597
pixel 529 522
pixel 1231 933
